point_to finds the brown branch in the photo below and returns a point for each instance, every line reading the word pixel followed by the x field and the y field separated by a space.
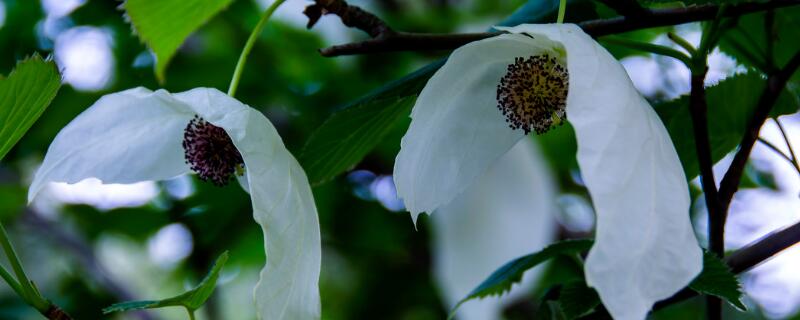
pixel 747 257
pixel 698 109
pixel 352 16
pixel 775 84
pixel 699 115
pixel 402 41
pixel 55 313
pixel 763 249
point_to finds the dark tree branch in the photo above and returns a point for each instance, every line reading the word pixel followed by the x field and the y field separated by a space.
pixel 698 109
pixel 761 250
pixel 775 84
pixel 747 257
pixel 402 41
pixel 352 16
pixel 699 114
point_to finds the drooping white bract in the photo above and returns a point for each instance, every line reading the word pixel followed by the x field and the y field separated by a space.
pixel 644 249
pixel 507 213
pixel 136 135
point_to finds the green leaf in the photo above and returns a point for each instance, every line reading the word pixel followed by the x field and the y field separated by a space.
pixel 24 96
pixel 349 135
pixel 718 280
pixel 503 278
pixel 749 41
pixel 551 310
pixel 730 104
pixel 164 24
pixel 191 300
pixel 577 299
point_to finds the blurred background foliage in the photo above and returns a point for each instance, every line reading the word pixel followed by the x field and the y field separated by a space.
pixel 87 250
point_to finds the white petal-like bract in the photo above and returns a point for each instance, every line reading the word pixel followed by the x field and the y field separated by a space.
pixel 124 137
pixel 282 204
pixel 136 135
pixel 507 213
pixel 456 130
pixel 645 249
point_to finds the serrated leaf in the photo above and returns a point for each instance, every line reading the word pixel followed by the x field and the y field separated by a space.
pixel 191 300
pixel 718 280
pixel 331 137
pixel 730 104
pixel 577 299
pixel 347 136
pixel 164 24
pixel 747 41
pixel 24 96
pixel 506 276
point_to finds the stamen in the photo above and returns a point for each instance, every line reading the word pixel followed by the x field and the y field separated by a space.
pixel 533 93
pixel 210 152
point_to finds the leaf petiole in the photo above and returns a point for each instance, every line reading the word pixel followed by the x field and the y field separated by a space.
pixel 248 46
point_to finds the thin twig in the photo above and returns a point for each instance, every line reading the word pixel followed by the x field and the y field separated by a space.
pixel 746 258
pixel 403 41
pixel 788 144
pixel 779 152
pixel 775 84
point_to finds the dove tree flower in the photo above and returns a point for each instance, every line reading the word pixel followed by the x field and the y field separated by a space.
pixel 492 93
pixel 138 135
pixel 508 212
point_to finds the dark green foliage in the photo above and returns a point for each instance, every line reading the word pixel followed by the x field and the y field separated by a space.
pixel 730 104
pixel 577 299
pixel 24 95
pixel 718 280
pixel 510 273
pixel 191 300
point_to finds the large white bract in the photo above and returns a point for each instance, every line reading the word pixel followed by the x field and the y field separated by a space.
pixel 645 249
pixel 136 135
pixel 507 213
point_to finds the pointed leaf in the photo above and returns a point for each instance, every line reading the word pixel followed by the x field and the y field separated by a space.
pixel 718 280
pixel 577 299
pixel 164 24
pixel 191 300
pixel 24 95
pixel 349 135
pixel 506 276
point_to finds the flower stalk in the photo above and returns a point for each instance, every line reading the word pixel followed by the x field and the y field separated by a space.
pixel 248 46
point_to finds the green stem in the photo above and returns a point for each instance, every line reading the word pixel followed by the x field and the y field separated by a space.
pixel 237 73
pixel 28 292
pixel 191 313
pixel 682 42
pixel 710 34
pixel 649 47
pixel 11 281
pixel 562 10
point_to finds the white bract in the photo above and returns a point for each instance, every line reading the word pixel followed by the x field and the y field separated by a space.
pixel 508 212
pixel 137 135
pixel 645 249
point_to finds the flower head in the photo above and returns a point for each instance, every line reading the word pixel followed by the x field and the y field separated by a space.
pixel 210 152
pixel 138 134
pixel 645 249
pixel 533 93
